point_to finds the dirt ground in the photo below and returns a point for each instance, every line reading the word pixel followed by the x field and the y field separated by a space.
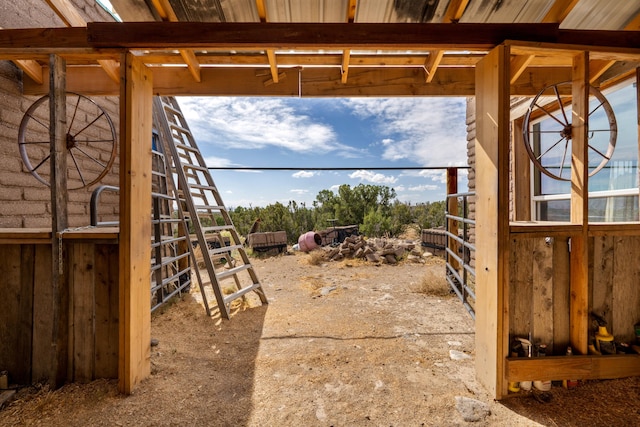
pixel 339 344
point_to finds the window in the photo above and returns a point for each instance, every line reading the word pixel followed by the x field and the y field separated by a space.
pixel 613 190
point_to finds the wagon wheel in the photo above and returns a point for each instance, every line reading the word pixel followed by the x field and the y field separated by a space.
pixel 550 147
pixel 91 140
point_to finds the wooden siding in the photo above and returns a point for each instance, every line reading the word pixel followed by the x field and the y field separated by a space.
pixel 25 320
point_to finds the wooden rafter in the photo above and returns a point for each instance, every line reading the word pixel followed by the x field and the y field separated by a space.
pixel 452 14
pixel 432 63
pixel 346 54
pixel 556 14
pixel 72 18
pixel 599 66
pixel 344 70
pixel 166 12
pixel 271 53
pixel 454 11
pixel 518 65
pixel 559 11
pixel 31 67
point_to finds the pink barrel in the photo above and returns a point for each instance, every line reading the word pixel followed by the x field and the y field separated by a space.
pixel 309 240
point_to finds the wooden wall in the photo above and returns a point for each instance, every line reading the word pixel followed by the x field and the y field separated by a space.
pixel 92 307
pixel 539 294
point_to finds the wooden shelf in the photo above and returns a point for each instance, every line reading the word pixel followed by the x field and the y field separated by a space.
pixel 574 367
pixel 25 235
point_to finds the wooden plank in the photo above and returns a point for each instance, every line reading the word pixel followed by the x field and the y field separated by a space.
pixel 59 222
pixel 291 35
pixel 45 40
pixel 492 221
pixel 224 81
pixel 106 309
pixel 25 325
pixel 43 349
pixel 82 287
pixel 618 228
pixel 626 292
pixel 386 82
pixel 319 81
pixel 542 297
pixel 135 224
pixel 579 308
pixel 561 278
pixel 521 288
pixel 10 316
pixel 521 175
pixel 602 275
pixel 578 367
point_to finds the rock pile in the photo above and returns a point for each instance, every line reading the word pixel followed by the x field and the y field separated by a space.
pixel 376 250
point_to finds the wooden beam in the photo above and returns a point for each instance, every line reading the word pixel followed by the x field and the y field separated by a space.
pixel 344 70
pixel 31 68
pixel 578 367
pixel 518 65
pixel 135 223
pixel 244 81
pixel 67 12
pixel 206 35
pixel 324 82
pixel 132 11
pixel 166 12
pixel 579 258
pixel 559 10
pixel 432 63
pixel 492 219
pixel 455 10
pixel 273 64
pixel 352 6
pixel 59 221
pixel 72 18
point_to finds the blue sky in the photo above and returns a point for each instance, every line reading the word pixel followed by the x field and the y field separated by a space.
pixel 323 133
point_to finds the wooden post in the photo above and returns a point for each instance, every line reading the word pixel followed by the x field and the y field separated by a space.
pixel 135 222
pixel 492 219
pixel 520 175
pixel 452 208
pixel 579 258
pixel 638 114
pixel 58 181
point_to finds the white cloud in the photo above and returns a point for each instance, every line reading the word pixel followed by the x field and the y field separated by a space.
pixel 376 178
pixel 428 131
pixel 303 174
pixel 299 191
pixel 255 123
pixel 218 162
pixel 334 188
pixel 423 187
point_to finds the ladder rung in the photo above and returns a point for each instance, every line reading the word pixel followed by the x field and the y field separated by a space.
pixel 240 292
pixel 204 187
pixel 217 228
pixel 196 167
pixel 232 271
pixel 187 147
pixel 209 208
pixel 224 249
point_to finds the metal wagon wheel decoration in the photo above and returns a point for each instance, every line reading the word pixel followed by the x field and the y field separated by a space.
pixel 91 140
pixel 549 144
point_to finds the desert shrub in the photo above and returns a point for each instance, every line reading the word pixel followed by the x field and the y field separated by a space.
pixel 434 284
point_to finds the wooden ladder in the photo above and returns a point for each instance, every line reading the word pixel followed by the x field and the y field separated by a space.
pixel 210 219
